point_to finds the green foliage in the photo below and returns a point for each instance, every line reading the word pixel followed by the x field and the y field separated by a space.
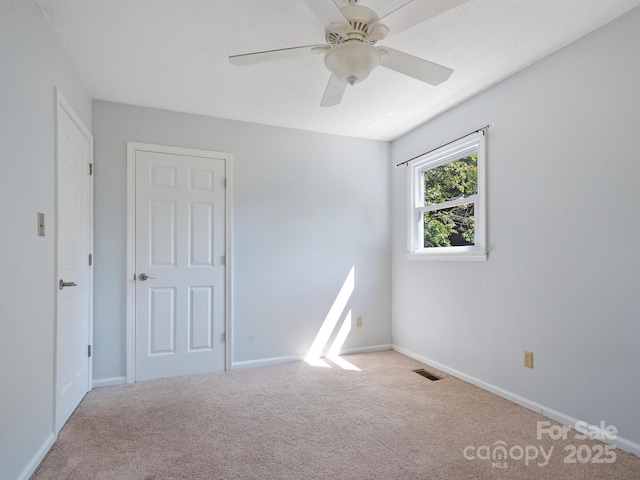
pixel 451 226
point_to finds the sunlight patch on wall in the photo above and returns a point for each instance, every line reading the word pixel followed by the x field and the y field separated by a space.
pixel 328 327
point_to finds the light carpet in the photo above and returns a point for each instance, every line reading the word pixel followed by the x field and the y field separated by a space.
pixel 297 421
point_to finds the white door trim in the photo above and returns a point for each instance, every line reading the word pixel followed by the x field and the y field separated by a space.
pixel 132 148
pixel 62 104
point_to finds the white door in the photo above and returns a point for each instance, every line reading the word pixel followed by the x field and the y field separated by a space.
pixel 74 278
pixel 180 248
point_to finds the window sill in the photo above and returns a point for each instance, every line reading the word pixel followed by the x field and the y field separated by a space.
pixel 466 255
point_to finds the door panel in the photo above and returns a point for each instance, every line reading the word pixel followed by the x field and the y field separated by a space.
pixel 200 318
pixel 180 244
pixel 162 234
pixel 162 321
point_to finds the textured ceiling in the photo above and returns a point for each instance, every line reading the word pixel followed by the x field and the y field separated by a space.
pixel 172 54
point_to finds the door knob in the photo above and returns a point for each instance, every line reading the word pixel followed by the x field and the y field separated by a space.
pixel 63 284
pixel 144 277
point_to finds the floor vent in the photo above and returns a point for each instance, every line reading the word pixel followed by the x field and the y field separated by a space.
pixel 429 375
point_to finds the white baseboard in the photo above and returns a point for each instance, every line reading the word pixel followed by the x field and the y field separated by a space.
pixel 568 420
pixel 369 349
pixel 264 362
pixel 109 382
pixel 38 457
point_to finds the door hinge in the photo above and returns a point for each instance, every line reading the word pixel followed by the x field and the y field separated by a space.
pixel 223 260
pixel 90 259
pixel 91 169
pixel 89 350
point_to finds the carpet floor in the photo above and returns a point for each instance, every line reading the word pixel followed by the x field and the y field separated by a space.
pixel 297 421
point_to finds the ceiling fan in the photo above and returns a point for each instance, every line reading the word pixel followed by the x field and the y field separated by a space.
pixel 352 33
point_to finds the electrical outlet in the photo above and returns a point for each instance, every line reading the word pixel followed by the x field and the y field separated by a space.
pixel 528 359
pixel 358 322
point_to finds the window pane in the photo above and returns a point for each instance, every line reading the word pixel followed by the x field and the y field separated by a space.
pixel 450 227
pixel 453 180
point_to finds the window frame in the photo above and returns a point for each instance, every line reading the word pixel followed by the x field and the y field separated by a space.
pixel 416 208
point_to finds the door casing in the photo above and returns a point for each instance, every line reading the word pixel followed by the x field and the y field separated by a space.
pixel 132 148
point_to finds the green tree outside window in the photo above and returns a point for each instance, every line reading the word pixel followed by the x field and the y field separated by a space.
pixel 453 226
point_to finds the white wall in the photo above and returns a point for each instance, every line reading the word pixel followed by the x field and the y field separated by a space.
pixel 563 226
pixel 31 64
pixel 307 208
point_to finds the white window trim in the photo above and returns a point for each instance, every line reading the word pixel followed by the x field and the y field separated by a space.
pixel 415 251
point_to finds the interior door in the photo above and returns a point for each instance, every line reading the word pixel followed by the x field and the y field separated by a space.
pixel 180 264
pixel 74 279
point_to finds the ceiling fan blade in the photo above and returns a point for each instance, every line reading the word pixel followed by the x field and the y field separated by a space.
pixel 273 55
pixel 328 12
pixel 415 12
pixel 334 92
pixel 415 67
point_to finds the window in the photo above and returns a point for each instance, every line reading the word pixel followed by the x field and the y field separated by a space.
pixel 447 202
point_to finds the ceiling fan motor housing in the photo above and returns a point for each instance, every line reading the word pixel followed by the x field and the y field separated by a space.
pixel 359 20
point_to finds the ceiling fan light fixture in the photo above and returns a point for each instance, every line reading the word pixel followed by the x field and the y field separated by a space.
pixel 352 61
